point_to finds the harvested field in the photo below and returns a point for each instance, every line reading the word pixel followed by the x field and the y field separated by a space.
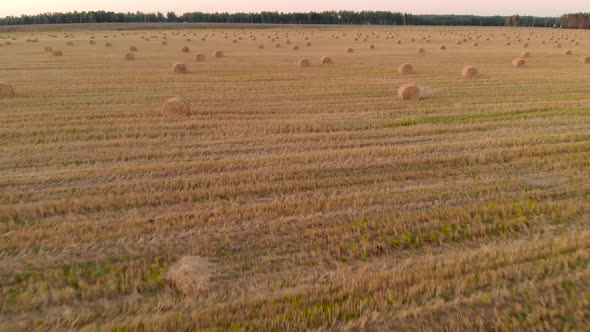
pixel 301 199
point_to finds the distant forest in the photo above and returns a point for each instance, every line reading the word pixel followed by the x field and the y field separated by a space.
pixel 580 20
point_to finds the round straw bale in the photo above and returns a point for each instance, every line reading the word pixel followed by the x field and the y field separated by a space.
pixel 6 90
pixel 48 49
pixel 57 53
pixel 219 54
pixel 132 49
pixel 130 56
pixel 349 50
pixel 199 57
pixel 295 48
pixel 176 107
pixel 180 68
pixel 409 92
pixel 585 59
pixel 405 69
pixel 525 54
pixel 372 46
pixel 518 63
pixel 469 72
pixel 443 47
pixel 185 49
pixel 421 50
pixel 567 52
pixel 304 63
pixel 261 46
pixel 308 43
pixel 326 60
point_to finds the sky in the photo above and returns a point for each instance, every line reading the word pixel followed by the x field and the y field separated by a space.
pixel 476 7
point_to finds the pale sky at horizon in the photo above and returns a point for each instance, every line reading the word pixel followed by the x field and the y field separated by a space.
pixel 475 7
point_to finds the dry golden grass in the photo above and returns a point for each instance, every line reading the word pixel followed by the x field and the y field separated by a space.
pixel 301 199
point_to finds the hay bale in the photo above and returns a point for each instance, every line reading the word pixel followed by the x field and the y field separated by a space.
pixel 372 46
pixel 6 90
pixel 130 56
pixel 219 54
pixel 308 43
pixel 475 44
pixel 92 42
pixel 180 68
pixel 199 57
pixel 190 275
pixel 326 60
pixel 132 49
pixel 409 92
pixel 525 54
pixel 163 43
pixel 585 60
pixel 57 53
pixel 421 50
pixel 469 72
pixel 518 63
pixel 185 49
pixel 261 47
pixel 405 69
pixel 48 49
pixel 443 47
pixel 567 52
pixel 70 43
pixel 525 45
pixel 304 63
pixel 295 48
pixel 278 45
pixel 176 107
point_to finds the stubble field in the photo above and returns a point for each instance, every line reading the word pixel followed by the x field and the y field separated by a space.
pixel 295 198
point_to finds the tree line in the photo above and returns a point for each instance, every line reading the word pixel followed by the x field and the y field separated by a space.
pixel 326 17
pixel 575 21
